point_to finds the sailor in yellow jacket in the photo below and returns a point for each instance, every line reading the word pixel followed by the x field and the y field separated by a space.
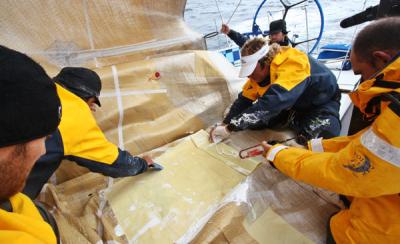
pixel 365 167
pixel 31 110
pixel 79 138
pixel 285 88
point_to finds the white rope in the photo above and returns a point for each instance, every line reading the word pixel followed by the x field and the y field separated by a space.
pixel 226 37
pixel 222 20
pixel 219 11
pixel 234 11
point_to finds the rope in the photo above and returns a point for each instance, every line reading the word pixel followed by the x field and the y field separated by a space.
pixel 234 11
pixel 215 33
pixel 219 11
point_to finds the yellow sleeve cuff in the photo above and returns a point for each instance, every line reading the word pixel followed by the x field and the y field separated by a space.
pixel 273 151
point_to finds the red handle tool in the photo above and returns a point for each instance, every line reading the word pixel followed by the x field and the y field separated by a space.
pixel 251 151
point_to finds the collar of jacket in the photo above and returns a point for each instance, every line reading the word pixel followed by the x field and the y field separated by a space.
pixel 6 205
pixel 385 81
pixel 265 82
pixel 289 68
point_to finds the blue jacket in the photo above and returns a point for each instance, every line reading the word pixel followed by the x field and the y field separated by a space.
pixel 296 81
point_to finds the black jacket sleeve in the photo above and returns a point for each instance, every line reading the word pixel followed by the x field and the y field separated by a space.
pixel 124 165
pixel 238 106
pixel 275 100
pixel 238 38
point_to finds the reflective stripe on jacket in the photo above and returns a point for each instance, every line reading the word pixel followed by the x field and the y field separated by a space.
pixel 24 224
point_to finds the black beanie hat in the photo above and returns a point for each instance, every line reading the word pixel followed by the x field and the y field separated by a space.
pixel 84 83
pixel 30 107
pixel 278 26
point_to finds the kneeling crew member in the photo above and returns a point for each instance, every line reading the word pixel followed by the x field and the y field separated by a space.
pixel 285 86
pixel 79 138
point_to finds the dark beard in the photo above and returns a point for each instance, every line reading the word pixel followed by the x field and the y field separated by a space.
pixel 12 179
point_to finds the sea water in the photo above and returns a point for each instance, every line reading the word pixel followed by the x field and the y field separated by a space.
pixel 204 17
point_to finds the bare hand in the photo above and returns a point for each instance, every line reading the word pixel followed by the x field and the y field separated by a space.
pixel 210 139
pixel 92 107
pixel 225 29
pixel 266 147
pixel 148 160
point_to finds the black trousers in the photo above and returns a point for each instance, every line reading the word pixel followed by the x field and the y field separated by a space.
pixel 315 125
pixel 307 126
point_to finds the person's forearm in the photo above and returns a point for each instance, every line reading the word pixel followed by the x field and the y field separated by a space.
pixel 238 38
pixel 124 165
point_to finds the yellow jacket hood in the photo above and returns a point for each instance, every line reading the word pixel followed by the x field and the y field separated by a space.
pixel 24 224
pixel 385 81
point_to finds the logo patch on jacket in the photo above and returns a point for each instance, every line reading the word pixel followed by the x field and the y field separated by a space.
pixel 359 164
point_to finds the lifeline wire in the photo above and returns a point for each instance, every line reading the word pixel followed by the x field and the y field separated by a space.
pixel 234 11
pixel 219 11
pixel 222 20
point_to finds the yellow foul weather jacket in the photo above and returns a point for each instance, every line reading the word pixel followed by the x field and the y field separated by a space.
pixel 23 223
pixel 296 82
pixel 79 139
pixel 364 166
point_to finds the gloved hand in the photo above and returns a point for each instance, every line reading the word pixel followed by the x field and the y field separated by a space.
pixel 219 133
